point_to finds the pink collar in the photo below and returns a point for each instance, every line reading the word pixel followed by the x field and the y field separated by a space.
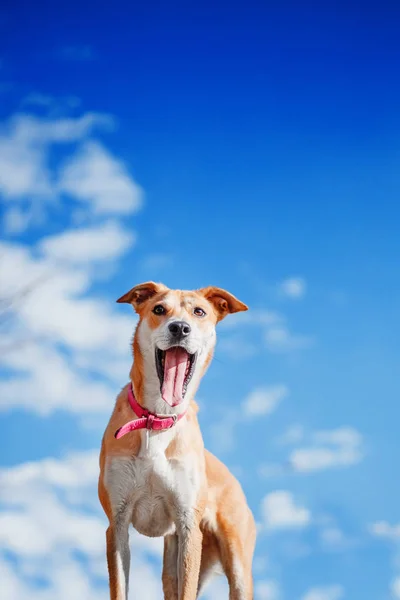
pixel 147 419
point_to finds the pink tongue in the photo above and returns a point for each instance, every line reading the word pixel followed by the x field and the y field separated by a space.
pixel 176 362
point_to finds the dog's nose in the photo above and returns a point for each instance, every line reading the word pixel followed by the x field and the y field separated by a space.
pixel 179 329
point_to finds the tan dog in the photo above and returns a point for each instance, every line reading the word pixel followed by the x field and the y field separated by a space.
pixel 158 476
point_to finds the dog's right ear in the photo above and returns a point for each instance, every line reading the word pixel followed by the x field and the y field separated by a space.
pixel 139 295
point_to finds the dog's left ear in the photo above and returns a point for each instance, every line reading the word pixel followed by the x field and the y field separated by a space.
pixel 139 295
pixel 223 302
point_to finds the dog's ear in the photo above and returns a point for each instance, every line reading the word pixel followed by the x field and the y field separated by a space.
pixel 222 301
pixel 139 295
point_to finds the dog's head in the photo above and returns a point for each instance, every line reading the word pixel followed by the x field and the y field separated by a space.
pixel 176 334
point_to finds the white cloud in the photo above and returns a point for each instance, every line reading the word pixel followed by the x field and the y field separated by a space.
pixel 35 521
pixel 23 165
pixel 76 471
pixel 216 588
pixel 280 511
pixel 318 459
pixel 267 589
pixel 90 174
pixel 333 538
pixel 395 587
pixel 25 142
pixel 386 531
pixel 293 287
pixel 264 400
pixel 43 380
pixel 326 449
pixel 64 579
pixel 261 401
pixel 343 436
pixel 292 435
pixel 25 175
pixel 93 175
pixel 383 529
pixel 273 328
pixel 55 307
pixel 280 339
pixel 330 592
pixel 102 242
pixel 336 448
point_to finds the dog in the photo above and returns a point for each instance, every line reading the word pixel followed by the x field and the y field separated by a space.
pixel 154 470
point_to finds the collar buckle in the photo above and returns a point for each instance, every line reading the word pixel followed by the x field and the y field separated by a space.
pixel 174 420
pixel 150 421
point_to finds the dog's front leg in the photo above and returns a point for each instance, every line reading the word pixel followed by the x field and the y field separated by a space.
pixel 170 568
pixel 118 559
pixel 189 557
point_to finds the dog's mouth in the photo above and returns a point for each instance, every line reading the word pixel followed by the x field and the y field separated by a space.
pixel 175 368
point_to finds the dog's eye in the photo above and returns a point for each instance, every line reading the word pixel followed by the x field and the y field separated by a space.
pixel 159 310
pixel 199 312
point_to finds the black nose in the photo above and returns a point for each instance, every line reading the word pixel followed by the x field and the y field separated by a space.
pixel 179 329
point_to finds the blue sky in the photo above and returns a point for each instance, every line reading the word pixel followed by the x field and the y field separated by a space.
pixel 251 146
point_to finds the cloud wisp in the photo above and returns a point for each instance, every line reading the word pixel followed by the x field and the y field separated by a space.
pixel 293 288
pixel 280 511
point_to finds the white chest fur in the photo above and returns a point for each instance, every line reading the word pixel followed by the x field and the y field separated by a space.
pixel 149 490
